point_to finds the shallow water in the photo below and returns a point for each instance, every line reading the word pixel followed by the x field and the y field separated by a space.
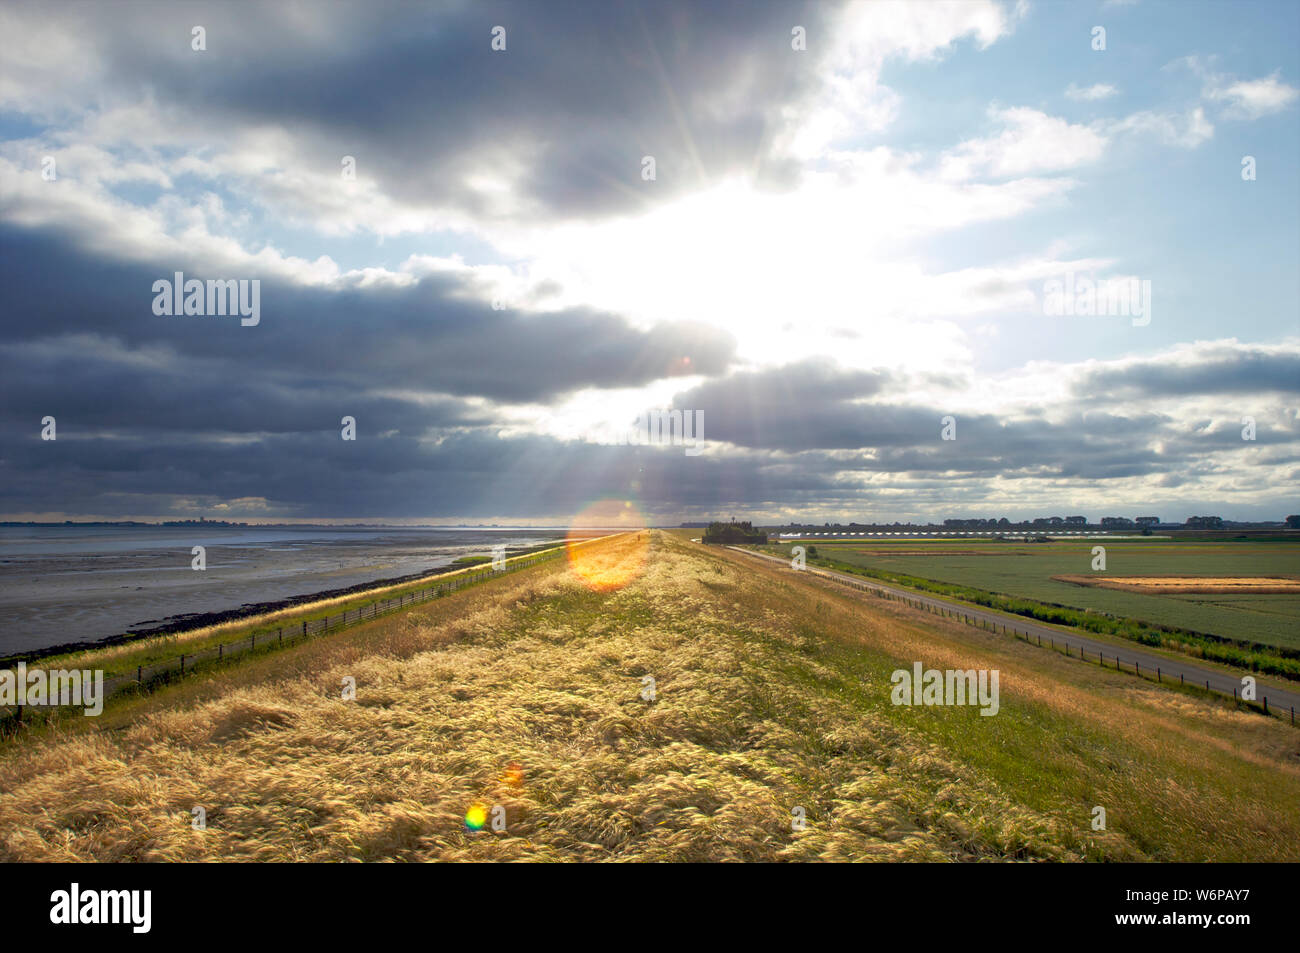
pixel 62 584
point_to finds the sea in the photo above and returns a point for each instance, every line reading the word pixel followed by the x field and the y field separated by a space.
pixel 71 584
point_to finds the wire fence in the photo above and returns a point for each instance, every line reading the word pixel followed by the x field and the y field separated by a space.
pixel 147 677
pixel 1058 641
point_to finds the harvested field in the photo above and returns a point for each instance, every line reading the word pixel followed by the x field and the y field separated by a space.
pixel 1191 585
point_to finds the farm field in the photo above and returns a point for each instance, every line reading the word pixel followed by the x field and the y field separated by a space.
pixel 770 693
pixel 1026 570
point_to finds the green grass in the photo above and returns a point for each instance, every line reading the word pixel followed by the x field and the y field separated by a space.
pixel 1269 658
pixel 773 693
pixel 1049 760
pixel 1025 570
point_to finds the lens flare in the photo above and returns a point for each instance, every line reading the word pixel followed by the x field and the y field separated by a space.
pixel 607 568
pixel 476 817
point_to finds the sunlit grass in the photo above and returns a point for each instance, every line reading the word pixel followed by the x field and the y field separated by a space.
pixel 771 694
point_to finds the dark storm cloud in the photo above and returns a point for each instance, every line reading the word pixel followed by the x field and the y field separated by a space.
pixel 425 338
pixel 165 415
pixel 470 472
pixel 153 411
pixel 92 383
pixel 796 407
pixel 817 406
pixel 1228 371
pixel 175 415
pixel 467 473
pixel 417 95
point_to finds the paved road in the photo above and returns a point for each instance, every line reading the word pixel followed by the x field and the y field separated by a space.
pixel 1279 700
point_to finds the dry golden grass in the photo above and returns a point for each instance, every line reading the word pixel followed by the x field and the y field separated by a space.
pixel 772 694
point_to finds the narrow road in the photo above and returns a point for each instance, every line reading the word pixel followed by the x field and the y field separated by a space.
pixel 1278 701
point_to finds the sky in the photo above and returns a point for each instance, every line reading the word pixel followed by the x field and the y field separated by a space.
pixel 853 242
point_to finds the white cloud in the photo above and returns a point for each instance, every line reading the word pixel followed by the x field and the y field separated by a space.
pixel 1186 132
pixel 827 268
pixel 851 101
pixel 1030 142
pixel 1090 94
pixel 1242 99
pixel 1251 99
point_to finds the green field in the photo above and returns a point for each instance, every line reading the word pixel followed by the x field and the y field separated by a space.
pixel 1025 570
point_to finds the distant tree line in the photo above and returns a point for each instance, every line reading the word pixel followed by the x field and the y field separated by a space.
pixel 1145 523
pixel 734 532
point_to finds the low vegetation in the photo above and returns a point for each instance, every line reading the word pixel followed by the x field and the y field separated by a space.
pixel 1268 659
pixel 734 532
pixel 694 712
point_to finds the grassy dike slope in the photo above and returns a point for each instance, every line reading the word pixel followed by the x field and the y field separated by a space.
pixel 773 693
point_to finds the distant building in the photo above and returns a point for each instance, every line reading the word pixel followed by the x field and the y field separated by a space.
pixel 1148 521
pixel 1293 522
pixel 1115 522
pixel 1076 521
pixel 1204 522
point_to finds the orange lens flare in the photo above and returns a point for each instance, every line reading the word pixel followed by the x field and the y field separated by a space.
pixel 607 568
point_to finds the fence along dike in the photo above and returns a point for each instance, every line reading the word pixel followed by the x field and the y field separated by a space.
pixel 1062 643
pixel 147 677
